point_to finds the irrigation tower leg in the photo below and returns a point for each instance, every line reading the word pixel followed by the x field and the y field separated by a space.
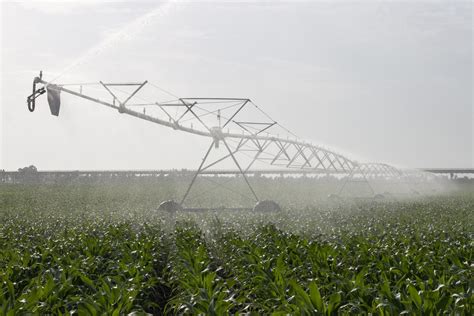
pixel 351 178
pixel 197 173
pixel 345 182
pixel 240 169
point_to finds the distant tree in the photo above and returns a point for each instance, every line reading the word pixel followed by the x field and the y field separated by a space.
pixel 29 169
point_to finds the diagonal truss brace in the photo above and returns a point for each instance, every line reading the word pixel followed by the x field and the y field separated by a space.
pixel 202 168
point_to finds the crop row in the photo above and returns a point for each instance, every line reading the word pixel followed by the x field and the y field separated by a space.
pixel 87 258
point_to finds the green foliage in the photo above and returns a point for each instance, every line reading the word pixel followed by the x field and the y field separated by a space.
pixel 94 250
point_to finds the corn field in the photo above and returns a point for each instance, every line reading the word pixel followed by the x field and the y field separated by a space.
pixel 105 250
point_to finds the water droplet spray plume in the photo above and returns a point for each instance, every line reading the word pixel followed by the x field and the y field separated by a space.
pixel 127 32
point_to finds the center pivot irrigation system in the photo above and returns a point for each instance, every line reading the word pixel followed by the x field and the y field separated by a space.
pixel 245 133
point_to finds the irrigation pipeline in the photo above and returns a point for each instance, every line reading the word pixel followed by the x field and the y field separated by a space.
pixel 221 135
pixel 276 151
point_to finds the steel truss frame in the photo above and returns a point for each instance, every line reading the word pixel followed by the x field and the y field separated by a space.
pixel 251 138
pixel 379 173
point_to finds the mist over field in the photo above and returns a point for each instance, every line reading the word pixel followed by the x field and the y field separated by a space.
pixel 232 157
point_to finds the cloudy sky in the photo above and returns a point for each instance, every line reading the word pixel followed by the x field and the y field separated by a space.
pixel 379 80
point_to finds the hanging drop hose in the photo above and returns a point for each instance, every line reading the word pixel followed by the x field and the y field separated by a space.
pixel 36 93
pixel 31 98
pixel 31 106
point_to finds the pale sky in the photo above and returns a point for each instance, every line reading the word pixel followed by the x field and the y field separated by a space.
pixel 380 81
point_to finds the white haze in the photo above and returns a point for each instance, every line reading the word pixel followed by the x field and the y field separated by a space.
pixel 381 81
